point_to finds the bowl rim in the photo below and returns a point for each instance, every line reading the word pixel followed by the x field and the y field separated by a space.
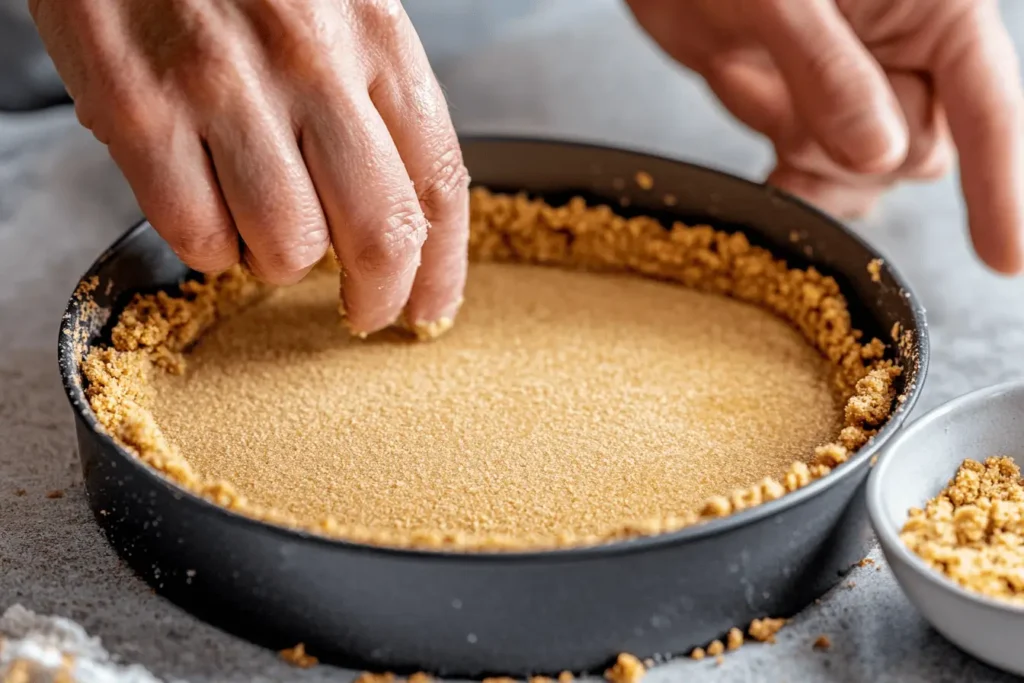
pixel 885 529
pixel 69 368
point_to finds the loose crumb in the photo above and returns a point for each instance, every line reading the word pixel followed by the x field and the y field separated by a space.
pixel 627 669
pixel 764 630
pixel 851 584
pixel 296 656
pixel 20 492
pixel 865 562
pixel 719 660
pixel 734 639
pixel 644 180
pixel 971 532
pixel 54 494
pixel 716 648
pixel 565 677
pixel 875 269
pixel 670 200
pixel 698 653
pixel 822 643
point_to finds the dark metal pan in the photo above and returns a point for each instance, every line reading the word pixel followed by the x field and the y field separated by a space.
pixel 534 612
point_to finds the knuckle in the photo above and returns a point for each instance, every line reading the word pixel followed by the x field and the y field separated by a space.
pixel 284 262
pixel 444 189
pixel 390 250
pixel 381 18
pixel 205 250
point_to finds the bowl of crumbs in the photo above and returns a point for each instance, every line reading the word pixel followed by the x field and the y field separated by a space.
pixel 947 502
pixel 646 434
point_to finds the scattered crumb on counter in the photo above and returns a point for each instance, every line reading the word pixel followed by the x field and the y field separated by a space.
pixel 627 669
pixel 971 532
pixel 644 180
pixel 822 643
pixel 20 492
pixel 698 654
pixel 764 630
pixel 875 269
pixel 716 648
pixel 670 200
pixel 54 494
pixel 297 656
pixel 851 584
pixel 865 562
pixel 719 660
pixel 565 677
pixel 734 640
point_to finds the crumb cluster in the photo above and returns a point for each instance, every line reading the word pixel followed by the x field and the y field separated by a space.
pixel 762 630
pixel 973 531
pixel 154 332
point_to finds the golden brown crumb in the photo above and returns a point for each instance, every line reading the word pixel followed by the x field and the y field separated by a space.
pixel 420 677
pixel 499 679
pixel 719 660
pixel 18 671
pixel 20 492
pixel 698 653
pixel 734 639
pixel 822 643
pixel 154 332
pixel 296 656
pixel 627 669
pixel 644 180
pixel 971 531
pixel 764 630
pixel 566 677
pixel 875 269
pixel 716 648
pixel 54 494
pixel 371 677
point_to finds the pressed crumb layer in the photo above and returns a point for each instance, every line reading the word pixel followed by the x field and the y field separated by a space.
pixel 149 354
pixel 973 531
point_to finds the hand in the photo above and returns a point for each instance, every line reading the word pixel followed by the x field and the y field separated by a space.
pixel 293 124
pixel 856 95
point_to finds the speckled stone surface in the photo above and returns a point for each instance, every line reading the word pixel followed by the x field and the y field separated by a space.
pixel 551 68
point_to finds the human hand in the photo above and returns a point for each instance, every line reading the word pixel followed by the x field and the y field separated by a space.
pixel 856 95
pixel 290 124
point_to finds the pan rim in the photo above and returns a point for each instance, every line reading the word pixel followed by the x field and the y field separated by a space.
pixel 69 367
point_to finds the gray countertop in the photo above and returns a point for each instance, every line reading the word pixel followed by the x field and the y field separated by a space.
pixel 551 68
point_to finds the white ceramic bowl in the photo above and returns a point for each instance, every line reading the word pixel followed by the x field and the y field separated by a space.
pixel 917 464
